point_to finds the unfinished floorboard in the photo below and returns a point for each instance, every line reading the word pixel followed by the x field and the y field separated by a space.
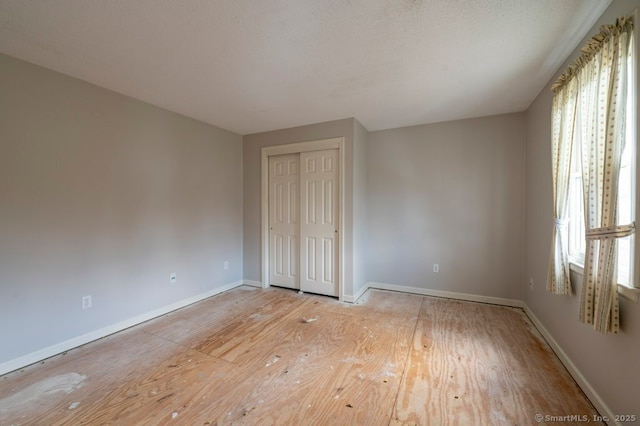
pixel 336 370
pixel 473 363
pixel 274 356
pixel 99 369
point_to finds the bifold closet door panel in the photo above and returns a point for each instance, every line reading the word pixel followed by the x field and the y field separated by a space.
pixel 319 221
pixel 284 205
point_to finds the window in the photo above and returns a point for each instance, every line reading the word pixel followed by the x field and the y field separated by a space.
pixel 593 141
pixel 626 192
pixel 577 244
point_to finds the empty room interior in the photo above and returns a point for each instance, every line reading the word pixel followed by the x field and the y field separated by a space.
pixel 319 212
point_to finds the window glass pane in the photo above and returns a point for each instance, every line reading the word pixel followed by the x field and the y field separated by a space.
pixel 624 258
pixel 624 217
pixel 626 187
pixel 576 211
pixel 576 219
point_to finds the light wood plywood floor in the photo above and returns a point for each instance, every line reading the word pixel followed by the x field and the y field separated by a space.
pixel 251 356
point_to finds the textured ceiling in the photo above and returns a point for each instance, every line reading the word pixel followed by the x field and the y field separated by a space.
pixel 256 65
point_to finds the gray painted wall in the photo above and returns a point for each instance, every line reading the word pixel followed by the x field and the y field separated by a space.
pixel 252 145
pixel 104 195
pixel 608 362
pixel 452 194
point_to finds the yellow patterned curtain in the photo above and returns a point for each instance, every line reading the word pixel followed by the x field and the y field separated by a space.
pixel 600 77
pixel 562 139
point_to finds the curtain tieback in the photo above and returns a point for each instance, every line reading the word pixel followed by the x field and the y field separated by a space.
pixel 614 231
pixel 560 223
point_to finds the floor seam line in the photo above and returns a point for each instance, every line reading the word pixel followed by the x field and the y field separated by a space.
pixel 406 362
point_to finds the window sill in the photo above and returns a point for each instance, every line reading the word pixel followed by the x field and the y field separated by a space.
pixel 630 293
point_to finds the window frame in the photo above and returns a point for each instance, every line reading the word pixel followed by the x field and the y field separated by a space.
pixel 576 259
pixel 633 290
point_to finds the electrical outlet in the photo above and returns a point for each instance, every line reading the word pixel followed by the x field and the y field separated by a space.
pixel 436 267
pixel 226 264
pixel 531 283
pixel 172 278
pixel 86 302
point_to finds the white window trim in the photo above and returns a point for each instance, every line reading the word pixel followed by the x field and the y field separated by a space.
pixel 629 293
pixel 632 291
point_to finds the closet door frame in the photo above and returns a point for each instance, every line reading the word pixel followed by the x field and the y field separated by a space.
pixel 318 145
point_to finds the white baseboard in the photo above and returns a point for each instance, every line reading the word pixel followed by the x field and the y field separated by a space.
pixel 577 375
pixel 58 348
pixel 358 295
pixel 253 283
pixel 447 294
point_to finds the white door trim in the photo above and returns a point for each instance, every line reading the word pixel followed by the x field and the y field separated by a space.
pixel 318 145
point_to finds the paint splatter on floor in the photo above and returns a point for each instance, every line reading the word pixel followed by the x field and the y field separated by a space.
pixel 30 395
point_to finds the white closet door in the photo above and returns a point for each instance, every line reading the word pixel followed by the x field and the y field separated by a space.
pixel 283 220
pixel 319 222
